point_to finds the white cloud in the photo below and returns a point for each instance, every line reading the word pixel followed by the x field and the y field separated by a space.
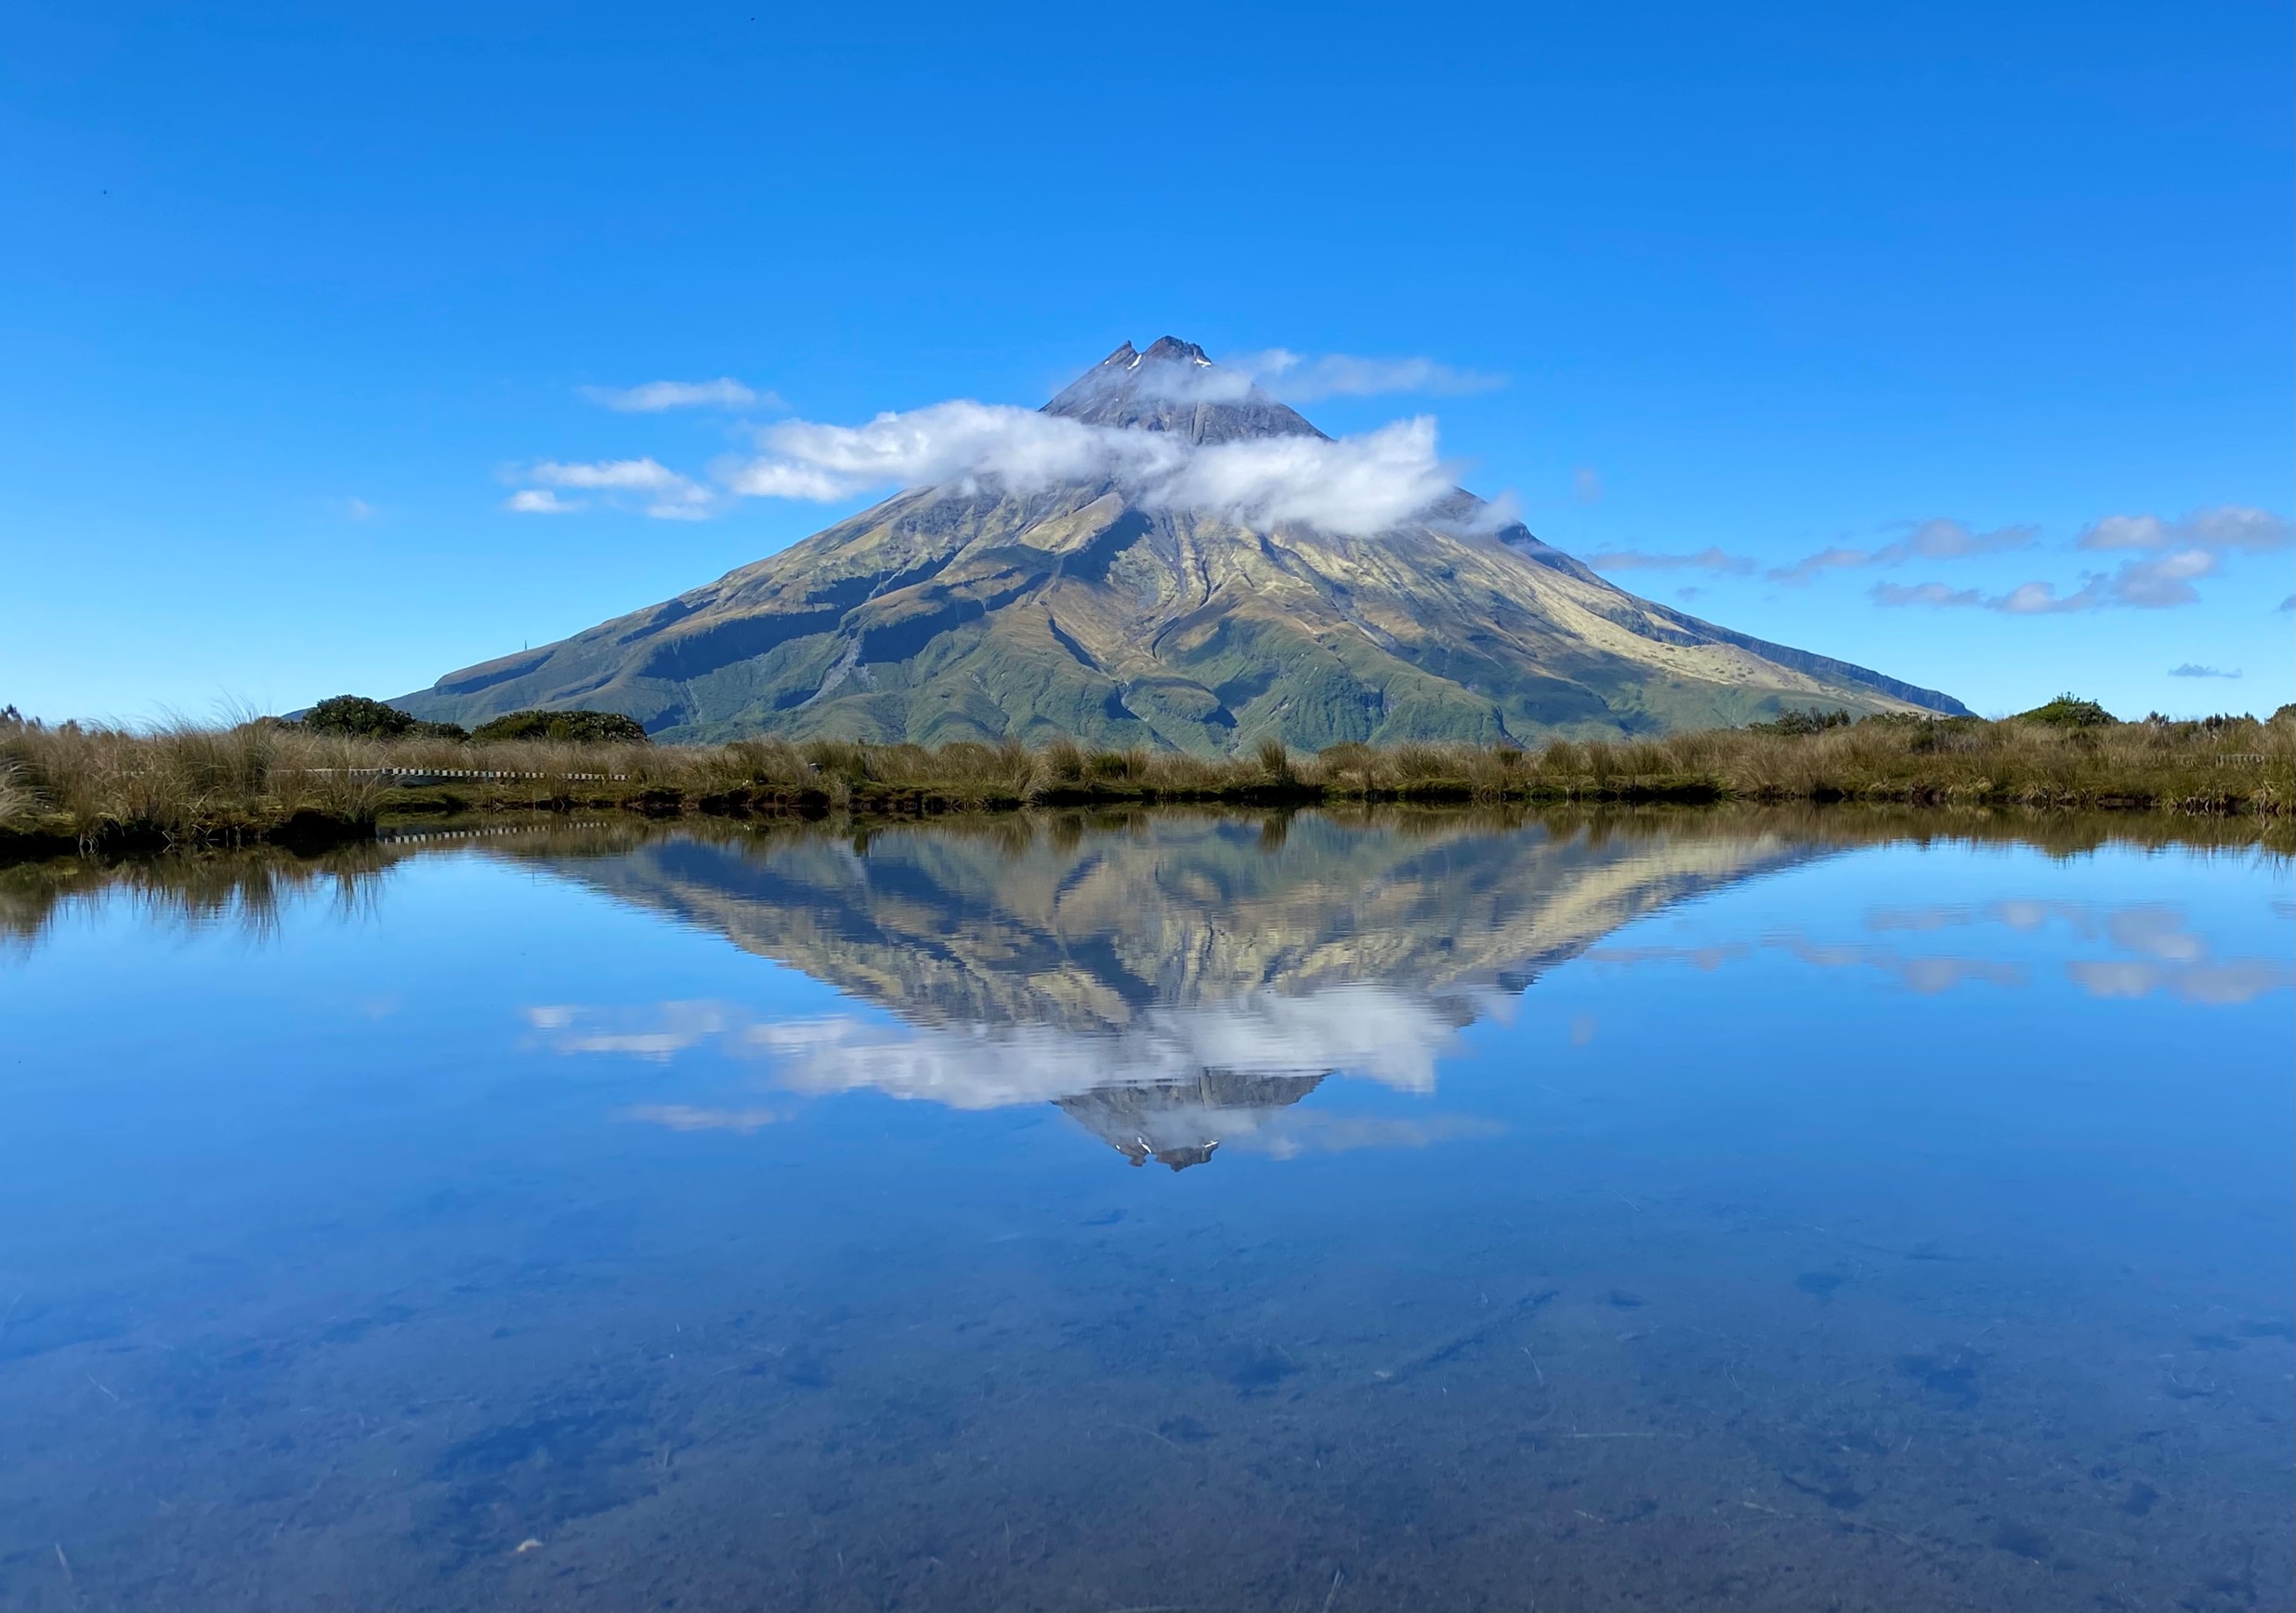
pixel 359 509
pixel 1354 485
pixel 1586 484
pixel 1021 449
pixel 2166 580
pixel 2194 669
pixel 653 397
pixel 1932 594
pixel 2160 582
pixel 659 491
pixel 1301 378
pixel 1706 559
pixel 1357 484
pixel 538 501
pixel 1935 539
pixel 2219 528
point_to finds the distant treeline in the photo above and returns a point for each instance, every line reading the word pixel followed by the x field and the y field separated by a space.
pixel 321 778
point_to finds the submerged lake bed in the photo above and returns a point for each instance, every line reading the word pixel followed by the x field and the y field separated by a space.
pixel 1157 1208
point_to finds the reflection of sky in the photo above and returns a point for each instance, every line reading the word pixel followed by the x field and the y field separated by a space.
pixel 600 1163
pixel 2162 952
pixel 480 960
pixel 2169 940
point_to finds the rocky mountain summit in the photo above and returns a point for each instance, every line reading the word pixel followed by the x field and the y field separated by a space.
pixel 1121 615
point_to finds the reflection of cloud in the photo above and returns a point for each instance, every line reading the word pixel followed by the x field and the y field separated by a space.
pixel 1388 1036
pixel 1367 1031
pixel 2166 955
pixel 656 1033
pixel 1922 918
pixel 1700 957
pixel 2156 929
pixel 2233 981
pixel 1295 1131
pixel 1924 973
pixel 683 1117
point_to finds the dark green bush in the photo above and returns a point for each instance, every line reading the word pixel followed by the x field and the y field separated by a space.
pixel 356 715
pixel 1813 721
pixel 582 727
pixel 2069 711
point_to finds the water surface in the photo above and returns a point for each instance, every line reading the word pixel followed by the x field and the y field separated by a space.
pixel 1157 1210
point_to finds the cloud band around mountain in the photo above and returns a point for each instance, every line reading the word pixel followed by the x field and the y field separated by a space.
pixel 1352 485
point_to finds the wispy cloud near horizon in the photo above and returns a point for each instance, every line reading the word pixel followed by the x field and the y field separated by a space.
pixel 2161 582
pixel 1939 538
pixel 1707 560
pixel 652 486
pixel 653 397
pixel 2219 528
pixel 2167 557
pixel 1305 377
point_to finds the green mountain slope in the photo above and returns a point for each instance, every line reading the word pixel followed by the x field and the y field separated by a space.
pixel 972 612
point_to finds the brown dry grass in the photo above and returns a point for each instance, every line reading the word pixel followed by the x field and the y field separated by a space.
pixel 185 783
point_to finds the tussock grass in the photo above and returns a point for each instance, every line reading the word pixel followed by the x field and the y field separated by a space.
pixel 185 783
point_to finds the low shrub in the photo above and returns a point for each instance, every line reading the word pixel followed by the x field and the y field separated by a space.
pixel 574 727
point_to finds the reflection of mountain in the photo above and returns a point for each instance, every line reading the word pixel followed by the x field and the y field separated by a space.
pixel 1179 1122
pixel 1167 977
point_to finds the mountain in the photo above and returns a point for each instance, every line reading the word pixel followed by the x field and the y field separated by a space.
pixel 974 610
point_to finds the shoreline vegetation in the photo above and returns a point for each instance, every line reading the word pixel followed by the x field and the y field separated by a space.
pixel 70 789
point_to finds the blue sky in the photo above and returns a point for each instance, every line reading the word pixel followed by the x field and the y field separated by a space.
pixel 293 300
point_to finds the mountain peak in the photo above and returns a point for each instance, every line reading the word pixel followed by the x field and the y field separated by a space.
pixel 1175 386
pixel 1172 349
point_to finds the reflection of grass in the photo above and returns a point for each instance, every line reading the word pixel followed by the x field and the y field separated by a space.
pixel 247 889
pixel 252 782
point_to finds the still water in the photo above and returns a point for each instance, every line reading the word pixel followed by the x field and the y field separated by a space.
pixel 1169 1210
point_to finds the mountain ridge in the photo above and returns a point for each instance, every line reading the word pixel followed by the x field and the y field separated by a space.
pixel 974 610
